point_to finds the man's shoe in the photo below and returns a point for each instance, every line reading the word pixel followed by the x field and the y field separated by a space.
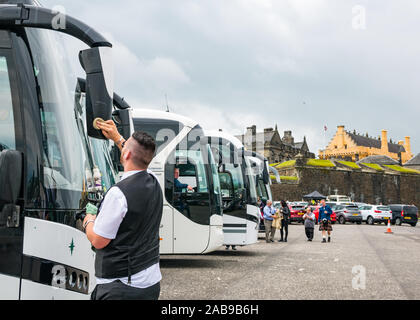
pixel 281 240
pixel 285 240
pixel 271 240
pixel 234 248
pixel 324 241
pixel 329 239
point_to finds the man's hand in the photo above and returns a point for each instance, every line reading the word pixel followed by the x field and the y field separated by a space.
pixel 109 130
pixel 190 188
pixel 97 241
pixel 88 217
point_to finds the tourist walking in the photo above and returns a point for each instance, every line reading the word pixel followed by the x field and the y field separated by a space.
pixel 269 216
pixel 309 219
pixel 324 218
pixel 285 211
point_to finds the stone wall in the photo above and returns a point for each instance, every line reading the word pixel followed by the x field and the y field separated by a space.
pixel 362 185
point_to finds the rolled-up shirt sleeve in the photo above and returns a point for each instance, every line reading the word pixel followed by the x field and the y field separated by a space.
pixel 268 212
pixel 111 213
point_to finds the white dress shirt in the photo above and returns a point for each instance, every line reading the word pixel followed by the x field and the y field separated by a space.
pixel 107 224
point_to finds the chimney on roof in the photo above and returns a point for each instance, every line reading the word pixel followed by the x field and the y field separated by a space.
pixel 288 138
pixel 250 138
pixel 384 141
pixel 407 146
pixel 251 130
pixel 340 135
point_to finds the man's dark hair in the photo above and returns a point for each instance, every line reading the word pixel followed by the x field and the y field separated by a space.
pixel 144 149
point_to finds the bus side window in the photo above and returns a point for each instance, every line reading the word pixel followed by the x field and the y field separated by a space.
pixel 169 182
pixel 7 124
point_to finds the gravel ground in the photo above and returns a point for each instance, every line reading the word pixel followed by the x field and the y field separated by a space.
pixel 361 262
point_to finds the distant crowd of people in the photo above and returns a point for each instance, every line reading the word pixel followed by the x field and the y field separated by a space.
pixel 279 219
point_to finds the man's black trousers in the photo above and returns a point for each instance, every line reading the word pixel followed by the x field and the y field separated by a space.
pixel 119 291
pixel 309 233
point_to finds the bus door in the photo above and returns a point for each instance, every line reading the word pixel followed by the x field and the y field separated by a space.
pixel 191 215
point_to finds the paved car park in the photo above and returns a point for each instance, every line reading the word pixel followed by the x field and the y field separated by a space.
pixel 361 262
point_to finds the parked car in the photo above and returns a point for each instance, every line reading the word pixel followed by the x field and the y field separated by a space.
pixel 402 213
pixel 338 198
pixel 372 214
pixel 348 213
pixel 301 203
pixel 331 204
pixel 296 213
pixel 360 204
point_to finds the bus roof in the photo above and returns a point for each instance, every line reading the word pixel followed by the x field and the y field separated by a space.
pixel 157 114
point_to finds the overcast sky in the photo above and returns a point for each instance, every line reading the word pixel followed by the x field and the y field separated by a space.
pixel 300 64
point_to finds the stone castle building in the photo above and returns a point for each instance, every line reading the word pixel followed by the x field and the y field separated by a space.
pixel 354 147
pixel 275 148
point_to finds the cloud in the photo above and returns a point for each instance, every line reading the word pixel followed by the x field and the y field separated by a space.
pixel 157 73
pixel 256 61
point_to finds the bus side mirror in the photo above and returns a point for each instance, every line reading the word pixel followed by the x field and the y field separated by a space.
pixel 99 87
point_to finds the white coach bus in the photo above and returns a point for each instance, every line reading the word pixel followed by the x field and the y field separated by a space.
pixel 48 151
pixel 192 219
pixel 238 183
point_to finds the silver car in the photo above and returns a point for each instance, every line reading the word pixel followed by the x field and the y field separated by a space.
pixel 348 212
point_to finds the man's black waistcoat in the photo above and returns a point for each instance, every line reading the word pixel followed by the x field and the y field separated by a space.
pixel 136 246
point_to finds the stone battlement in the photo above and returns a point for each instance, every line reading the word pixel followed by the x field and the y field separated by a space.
pixel 375 184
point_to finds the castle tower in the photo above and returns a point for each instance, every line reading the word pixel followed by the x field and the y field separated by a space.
pixel 384 142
